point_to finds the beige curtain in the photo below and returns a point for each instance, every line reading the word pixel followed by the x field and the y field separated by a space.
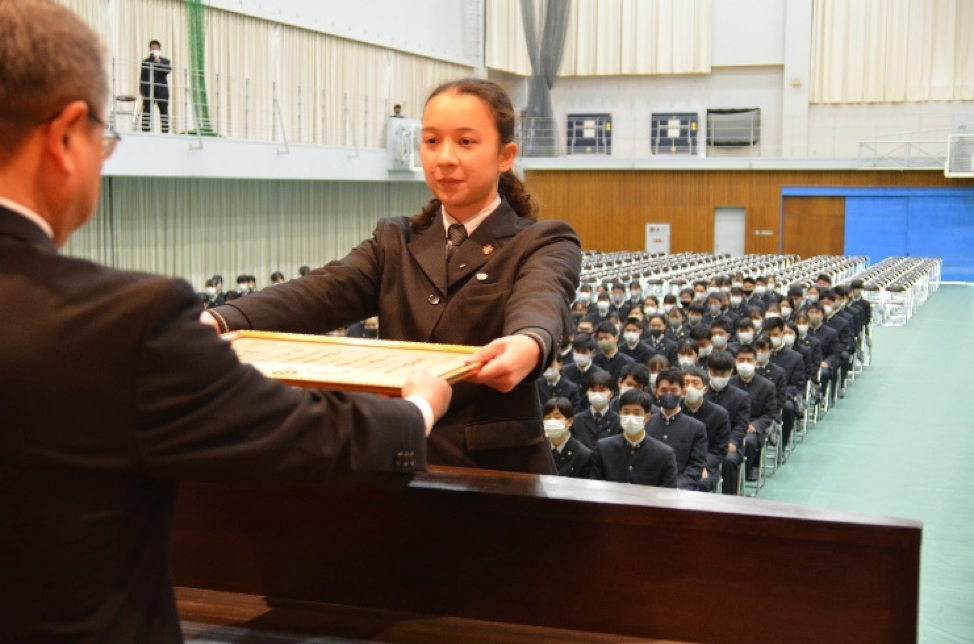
pixel 329 90
pixel 193 228
pixel 880 51
pixel 611 37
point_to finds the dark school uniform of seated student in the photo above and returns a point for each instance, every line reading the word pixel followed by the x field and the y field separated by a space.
pixel 552 384
pixel 609 358
pixel 720 367
pixel 721 334
pixel 572 459
pixel 687 437
pixel 634 376
pixel 714 417
pixel 828 340
pixel 582 367
pixel 657 340
pixel 633 456
pixel 774 373
pixel 763 398
pixel 598 421
pixel 701 335
pixel 631 345
pixel 597 314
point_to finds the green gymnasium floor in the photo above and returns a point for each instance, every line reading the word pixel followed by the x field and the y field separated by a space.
pixel 902 444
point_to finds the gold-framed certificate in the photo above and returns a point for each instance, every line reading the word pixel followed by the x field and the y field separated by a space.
pixel 348 364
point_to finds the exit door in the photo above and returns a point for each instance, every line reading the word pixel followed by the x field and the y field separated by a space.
pixel 729 224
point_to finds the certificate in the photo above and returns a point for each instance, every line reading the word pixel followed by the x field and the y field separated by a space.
pixel 348 364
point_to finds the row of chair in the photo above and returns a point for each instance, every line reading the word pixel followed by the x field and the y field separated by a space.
pixel 897 287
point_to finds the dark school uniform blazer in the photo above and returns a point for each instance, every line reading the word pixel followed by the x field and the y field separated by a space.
pixel 113 392
pixel 649 463
pixel 512 275
pixel 574 461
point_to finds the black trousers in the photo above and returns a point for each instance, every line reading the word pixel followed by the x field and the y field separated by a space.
pixel 163 104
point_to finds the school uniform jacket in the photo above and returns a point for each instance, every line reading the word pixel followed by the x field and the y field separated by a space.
pixel 688 438
pixel 738 406
pixel 574 460
pixel 649 463
pixel 511 275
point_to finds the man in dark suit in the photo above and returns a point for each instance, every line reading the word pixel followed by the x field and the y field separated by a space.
pixel 633 456
pixel 687 436
pixel 507 285
pixel 714 417
pixel 154 87
pixel 720 366
pixel 145 395
pixel 552 384
pixel 764 403
pixel 572 459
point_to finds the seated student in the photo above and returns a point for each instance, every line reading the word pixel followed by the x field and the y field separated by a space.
pixel 651 306
pixel 852 316
pixel 695 313
pixel 669 303
pixel 824 282
pixel 608 357
pixel 789 336
pixel 657 341
pixel 632 344
pixel 757 320
pixel 793 366
pixel 714 309
pixel 572 459
pixel 843 330
pixel 762 291
pixel 737 404
pixel 632 456
pixel 552 384
pixel 720 335
pixel 579 311
pixel 750 298
pixel 737 306
pixel 796 299
pixel 687 355
pixel 585 326
pixel 637 314
pixel 585 295
pixel 656 364
pixel 714 417
pixel 687 436
pixel 676 330
pixel 633 376
pixel 745 333
pixel 700 290
pixel 686 299
pixel 859 302
pixel 764 405
pixel 598 421
pixel 582 356
pixel 828 340
pixel 620 303
pixel 603 304
pixel 565 350
pixel 702 335
pixel 635 295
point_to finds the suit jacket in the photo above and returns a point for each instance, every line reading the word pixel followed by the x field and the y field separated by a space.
pixel 153 78
pixel 529 275
pixel 793 365
pixel 113 393
pixel 564 388
pixel 778 378
pixel 588 431
pixel 717 421
pixel 688 438
pixel 664 346
pixel 649 463
pixel 738 406
pixel 831 347
pixel 574 461
pixel 844 330
pixel 763 398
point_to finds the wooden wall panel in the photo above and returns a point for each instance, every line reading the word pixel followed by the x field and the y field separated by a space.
pixel 814 226
pixel 610 208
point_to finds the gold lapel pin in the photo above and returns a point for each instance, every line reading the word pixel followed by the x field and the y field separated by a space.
pixel 481 276
pixel 488 249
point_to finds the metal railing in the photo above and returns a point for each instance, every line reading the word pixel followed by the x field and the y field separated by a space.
pixel 925 149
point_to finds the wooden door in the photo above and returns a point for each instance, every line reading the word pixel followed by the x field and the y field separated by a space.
pixel 814 226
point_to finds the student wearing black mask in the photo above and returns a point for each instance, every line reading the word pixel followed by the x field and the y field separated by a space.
pixel 658 341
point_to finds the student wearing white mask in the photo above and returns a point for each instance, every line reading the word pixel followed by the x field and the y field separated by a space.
pixel 552 384
pixel 766 369
pixel 793 366
pixel 714 417
pixel 154 86
pixel 808 346
pixel 572 459
pixel 581 368
pixel 651 306
pixel 598 421
pixel 632 344
pixel 702 336
pixel 763 400
pixel 720 336
pixel 745 331
pixel 720 367
pixel 633 456
pixel 687 355
pixel 687 436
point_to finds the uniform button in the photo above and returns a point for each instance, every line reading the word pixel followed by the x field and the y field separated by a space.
pixel 630 468
pixel 433 299
pixel 665 436
pixel 462 266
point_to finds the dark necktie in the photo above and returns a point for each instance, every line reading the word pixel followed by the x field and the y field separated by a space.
pixel 456 234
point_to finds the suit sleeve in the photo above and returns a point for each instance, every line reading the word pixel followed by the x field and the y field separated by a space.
pixel 545 287
pixel 597 470
pixel 338 294
pixel 668 476
pixel 585 465
pixel 690 479
pixel 740 422
pixel 201 414
pixel 767 411
pixel 796 383
pixel 717 450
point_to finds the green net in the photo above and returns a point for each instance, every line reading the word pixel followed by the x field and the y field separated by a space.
pixel 196 15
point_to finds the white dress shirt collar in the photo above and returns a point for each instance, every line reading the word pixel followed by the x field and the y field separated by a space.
pixel 635 444
pixel 471 223
pixel 29 214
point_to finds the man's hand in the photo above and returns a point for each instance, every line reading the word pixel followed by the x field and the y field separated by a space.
pixel 732 448
pixel 824 365
pixel 751 430
pixel 704 475
pixel 210 321
pixel 506 361
pixel 435 391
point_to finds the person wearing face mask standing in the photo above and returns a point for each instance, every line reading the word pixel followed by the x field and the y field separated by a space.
pixel 154 87
pixel 714 417
pixel 687 437
pixel 764 402
pixel 737 404
pixel 552 384
pixel 633 456
pixel 572 459
pixel 598 421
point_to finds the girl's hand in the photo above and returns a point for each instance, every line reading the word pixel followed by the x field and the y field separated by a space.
pixel 506 361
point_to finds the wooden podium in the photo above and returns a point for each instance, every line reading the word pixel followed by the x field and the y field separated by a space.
pixel 458 555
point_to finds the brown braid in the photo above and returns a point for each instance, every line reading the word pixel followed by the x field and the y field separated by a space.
pixel 510 187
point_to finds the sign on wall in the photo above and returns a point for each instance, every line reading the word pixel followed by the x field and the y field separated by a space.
pixel 658 238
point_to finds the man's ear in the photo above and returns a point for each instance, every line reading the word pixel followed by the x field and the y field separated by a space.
pixel 508 156
pixel 63 135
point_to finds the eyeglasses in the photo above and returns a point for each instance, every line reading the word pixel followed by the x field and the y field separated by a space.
pixel 111 138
